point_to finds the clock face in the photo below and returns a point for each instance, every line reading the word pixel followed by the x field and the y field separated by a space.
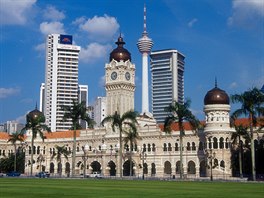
pixel 113 75
pixel 127 75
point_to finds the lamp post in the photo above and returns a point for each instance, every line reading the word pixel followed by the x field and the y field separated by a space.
pixel 85 157
pixel 211 156
pixel 103 150
pixel 117 147
pixel 143 155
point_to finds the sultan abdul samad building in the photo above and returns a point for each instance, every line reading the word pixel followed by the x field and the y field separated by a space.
pixel 157 153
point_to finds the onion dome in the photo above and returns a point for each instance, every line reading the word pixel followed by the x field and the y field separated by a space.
pixel 120 53
pixel 216 96
pixel 32 115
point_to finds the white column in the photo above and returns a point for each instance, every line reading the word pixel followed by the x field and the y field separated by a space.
pixel 145 91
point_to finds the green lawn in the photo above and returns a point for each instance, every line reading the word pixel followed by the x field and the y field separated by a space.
pixel 37 188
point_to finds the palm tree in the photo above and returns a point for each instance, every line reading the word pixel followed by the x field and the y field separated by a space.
pixel 179 113
pixel 35 122
pixel 61 151
pixel 17 136
pixel 241 131
pixel 252 106
pixel 40 159
pixel 131 136
pixel 128 119
pixel 75 113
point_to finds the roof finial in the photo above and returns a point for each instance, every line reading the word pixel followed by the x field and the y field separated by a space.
pixel 36 105
pixel 215 82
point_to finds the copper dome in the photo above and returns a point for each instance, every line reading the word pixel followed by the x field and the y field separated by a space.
pixel 32 115
pixel 216 96
pixel 120 53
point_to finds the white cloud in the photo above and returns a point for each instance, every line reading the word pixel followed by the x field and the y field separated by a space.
pixel 22 118
pixel 245 12
pixel 52 28
pixel 102 81
pixel 100 28
pixel 15 12
pixel 93 52
pixel 192 22
pixel 7 92
pixel 79 21
pixel 233 85
pixel 40 47
pixel 53 14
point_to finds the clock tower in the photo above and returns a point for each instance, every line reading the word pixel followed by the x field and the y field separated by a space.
pixel 120 80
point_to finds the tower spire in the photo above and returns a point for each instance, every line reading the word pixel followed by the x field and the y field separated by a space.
pixel 215 82
pixel 144 45
pixel 145 20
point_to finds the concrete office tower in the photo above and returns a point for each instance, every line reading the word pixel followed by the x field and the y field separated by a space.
pixel 167 80
pixel 144 45
pixel 83 97
pixel 99 110
pixel 61 79
pixel 42 97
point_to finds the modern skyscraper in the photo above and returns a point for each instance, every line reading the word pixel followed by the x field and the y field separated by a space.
pixel 167 80
pixel 83 97
pixel 61 79
pixel 144 45
pixel 99 110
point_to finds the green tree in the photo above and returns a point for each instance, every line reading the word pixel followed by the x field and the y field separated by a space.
pixel 118 122
pixel 35 122
pixel 178 113
pixel 17 136
pixel 75 113
pixel 131 137
pixel 61 152
pixel 251 106
pixel 241 132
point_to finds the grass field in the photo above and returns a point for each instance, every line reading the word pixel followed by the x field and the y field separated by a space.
pixel 38 188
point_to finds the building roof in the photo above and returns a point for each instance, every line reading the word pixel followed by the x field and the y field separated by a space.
pixel 61 134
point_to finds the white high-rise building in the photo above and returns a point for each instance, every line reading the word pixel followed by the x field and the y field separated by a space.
pixel 144 45
pixel 167 80
pixel 61 79
pixel 99 110
pixel 83 97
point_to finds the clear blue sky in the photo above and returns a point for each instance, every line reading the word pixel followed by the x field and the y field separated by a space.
pixel 220 38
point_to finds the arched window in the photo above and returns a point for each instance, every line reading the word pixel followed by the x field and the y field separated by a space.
pixel 51 167
pixel 77 149
pixel 167 167
pixel 227 143
pixel 50 150
pixel 210 143
pixel 153 147
pixel 176 147
pixel 38 150
pixel 169 147
pixel 44 150
pixel 29 150
pixel 178 167
pixel 222 164
pixel 221 144
pixel 153 169
pixel 201 146
pixel 149 148
pixel 144 148
pixel 53 150
pixel 34 150
pixel 191 167
pixel 193 146
pixel 215 144
pixel 188 146
pixel 215 162
pixel 165 147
